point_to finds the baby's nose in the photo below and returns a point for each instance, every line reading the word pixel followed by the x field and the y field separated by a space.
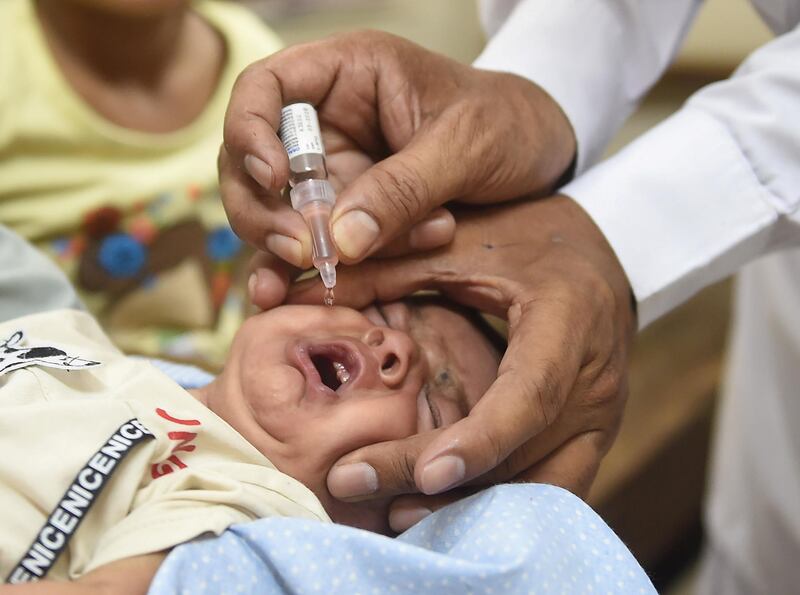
pixel 395 352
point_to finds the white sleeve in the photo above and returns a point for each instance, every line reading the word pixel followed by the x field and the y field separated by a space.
pixel 709 189
pixel 596 58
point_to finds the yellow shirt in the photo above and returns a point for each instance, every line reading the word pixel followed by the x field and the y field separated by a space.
pixel 75 414
pixel 133 218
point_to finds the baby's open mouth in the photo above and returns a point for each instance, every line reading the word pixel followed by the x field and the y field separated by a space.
pixel 333 373
pixel 330 366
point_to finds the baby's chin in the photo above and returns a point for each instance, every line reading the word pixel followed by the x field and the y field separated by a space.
pixel 370 515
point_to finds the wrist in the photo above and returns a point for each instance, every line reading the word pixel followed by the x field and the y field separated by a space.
pixel 551 134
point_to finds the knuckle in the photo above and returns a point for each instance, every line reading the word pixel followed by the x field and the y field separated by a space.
pixel 239 221
pixel 241 230
pixel 249 71
pixel 493 446
pixel 609 387
pixel 546 390
pixel 371 37
pixel 601 292
pixel 595 289
pixel 541 391
pixel 402 471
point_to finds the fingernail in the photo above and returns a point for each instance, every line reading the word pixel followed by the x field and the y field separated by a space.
pixel 354 233
pixel 287 248
pixel 355 479
pixel 251 285
pixel 400 520
pixel 259 171
pixel 442 473
pixel 258 282
pixel 431 233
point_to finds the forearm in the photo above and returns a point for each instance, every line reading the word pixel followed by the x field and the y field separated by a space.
pixel 596 59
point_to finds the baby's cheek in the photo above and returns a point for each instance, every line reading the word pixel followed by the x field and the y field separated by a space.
pixel 379 421
pixel 275 389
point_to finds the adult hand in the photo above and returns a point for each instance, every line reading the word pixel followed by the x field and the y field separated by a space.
pixel 406 130
pixel 555 407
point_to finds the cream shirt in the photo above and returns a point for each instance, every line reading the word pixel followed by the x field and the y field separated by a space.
pixel 74 412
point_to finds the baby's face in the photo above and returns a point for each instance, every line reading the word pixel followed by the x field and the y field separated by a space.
pixel 307 385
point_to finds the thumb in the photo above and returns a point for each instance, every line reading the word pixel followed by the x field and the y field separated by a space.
pixel 378 470
pixel 384 202
pixel 536 374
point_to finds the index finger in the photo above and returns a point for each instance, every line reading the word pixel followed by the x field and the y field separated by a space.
pixel 306 72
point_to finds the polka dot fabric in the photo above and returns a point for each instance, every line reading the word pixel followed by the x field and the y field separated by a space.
pixel 519 538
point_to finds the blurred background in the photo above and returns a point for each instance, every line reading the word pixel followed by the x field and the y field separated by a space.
pixel 650 487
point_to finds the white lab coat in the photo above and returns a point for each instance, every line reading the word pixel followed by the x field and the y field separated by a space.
pixel 715 186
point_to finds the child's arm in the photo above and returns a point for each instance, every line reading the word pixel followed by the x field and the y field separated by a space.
pixel 131 576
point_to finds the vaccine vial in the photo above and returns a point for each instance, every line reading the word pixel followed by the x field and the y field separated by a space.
pixel 310 191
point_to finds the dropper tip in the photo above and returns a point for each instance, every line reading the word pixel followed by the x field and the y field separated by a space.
pixel 327 272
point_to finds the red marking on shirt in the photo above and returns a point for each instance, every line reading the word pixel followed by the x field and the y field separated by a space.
pixel 183 422
pixel 184 441
pixel 159 469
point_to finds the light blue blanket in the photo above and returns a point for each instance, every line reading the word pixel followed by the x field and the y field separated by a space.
pixel 521 538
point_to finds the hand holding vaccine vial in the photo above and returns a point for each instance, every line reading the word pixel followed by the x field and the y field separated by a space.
pixel 311 193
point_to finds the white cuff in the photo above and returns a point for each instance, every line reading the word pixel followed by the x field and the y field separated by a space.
pixel 681 207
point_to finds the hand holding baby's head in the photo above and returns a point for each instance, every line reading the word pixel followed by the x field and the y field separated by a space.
pixel 306 385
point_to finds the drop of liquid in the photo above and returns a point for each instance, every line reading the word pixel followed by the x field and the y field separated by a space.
pixel 329 297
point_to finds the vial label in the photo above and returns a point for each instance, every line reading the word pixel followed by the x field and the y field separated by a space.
pixel 299 130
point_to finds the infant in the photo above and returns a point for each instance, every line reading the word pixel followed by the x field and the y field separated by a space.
pixel 107 463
